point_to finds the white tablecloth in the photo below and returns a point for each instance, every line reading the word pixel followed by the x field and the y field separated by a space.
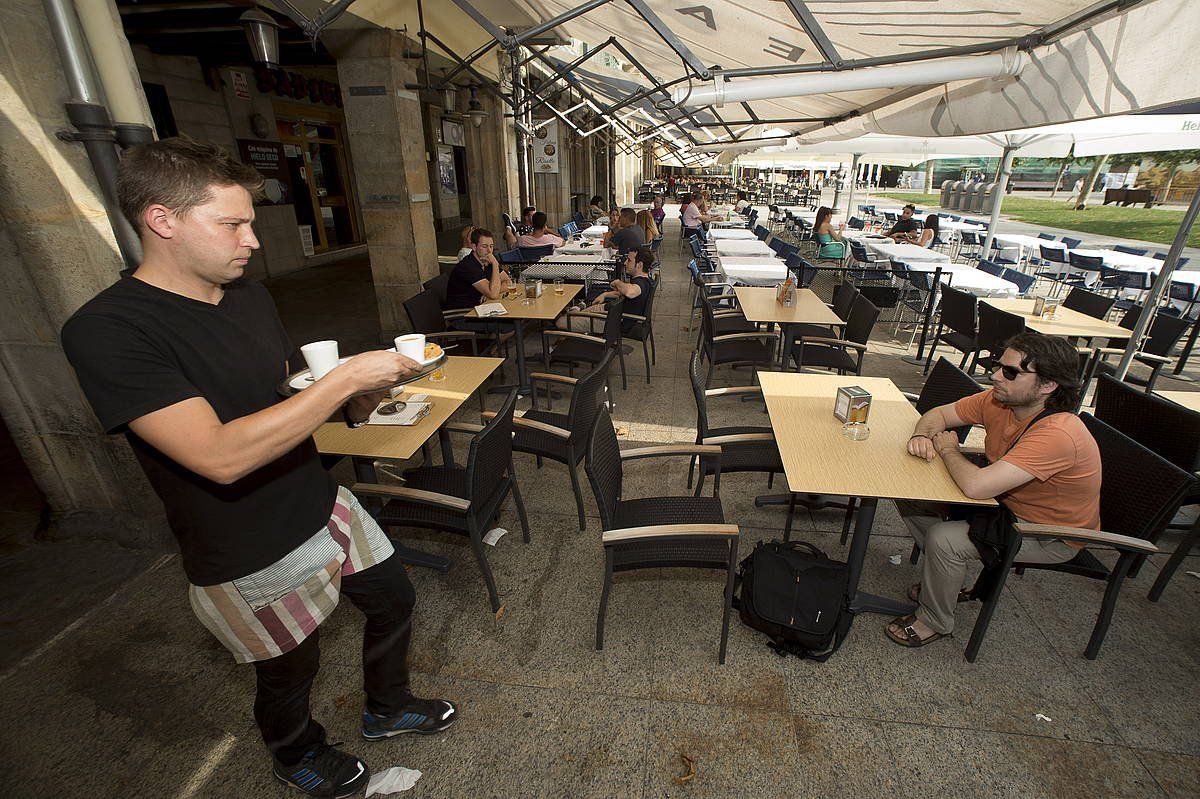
pixel 950 224
pixel 908 253
pixel 732 233
pixel 754 271
pixel 575 247
pixel 595 231
pixel 741 247
pixel 968 278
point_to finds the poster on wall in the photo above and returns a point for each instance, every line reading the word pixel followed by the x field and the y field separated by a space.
pixel 306 240
pixel 453 134
pixel 269 159
pixel 445 170
pixel 545 148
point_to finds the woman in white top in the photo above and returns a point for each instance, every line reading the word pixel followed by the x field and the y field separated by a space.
pixel 928 237
pixel 466 243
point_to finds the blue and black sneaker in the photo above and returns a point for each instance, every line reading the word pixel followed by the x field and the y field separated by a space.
pixel 424 716
pixel 325 772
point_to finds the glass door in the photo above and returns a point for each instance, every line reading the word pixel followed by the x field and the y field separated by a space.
pixel 316 157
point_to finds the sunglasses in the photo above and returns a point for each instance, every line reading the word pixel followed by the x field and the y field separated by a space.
pixel 1011 372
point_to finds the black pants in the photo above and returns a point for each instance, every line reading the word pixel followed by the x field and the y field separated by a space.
pixel 386 597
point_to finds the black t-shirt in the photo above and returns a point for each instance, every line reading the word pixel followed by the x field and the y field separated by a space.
pixel 137 349
pixel 636 305
pixel 903 226
pixel 460 290
pixel 628 238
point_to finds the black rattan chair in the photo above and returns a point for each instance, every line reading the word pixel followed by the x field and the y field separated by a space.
pixel 460 499
pixel 834 353
pixel 960 316
pixel 657 532
pixel 733 349
pixel 1164 333
pixel 562 437
pixel 744 448
pixel 996 327
pixel 1141 492
pixel 1167 428
pixel 1088 302
pixel 587 349
pixel 641 328
pixel 425 312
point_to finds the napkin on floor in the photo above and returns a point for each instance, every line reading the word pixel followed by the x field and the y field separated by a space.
pixel 392 780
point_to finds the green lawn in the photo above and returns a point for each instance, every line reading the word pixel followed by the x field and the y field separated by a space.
pixel 1141 224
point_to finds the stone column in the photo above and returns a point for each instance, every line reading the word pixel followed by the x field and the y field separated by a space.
pixel 383 120
pixel 57 250
pixel 491 163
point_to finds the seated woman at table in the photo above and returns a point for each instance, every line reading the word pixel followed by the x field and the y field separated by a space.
pixel 646 222
pixel 595 209
pixel 1044 468
pixel 928 238
pixel 539 236
pixel 742 203
pixel 831 248
pixel 635 288
pixel 657 211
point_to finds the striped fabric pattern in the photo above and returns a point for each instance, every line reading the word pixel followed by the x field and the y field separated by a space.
pixel 270 612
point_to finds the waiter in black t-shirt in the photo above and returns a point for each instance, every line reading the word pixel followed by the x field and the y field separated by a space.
pixel 183 358
pixel 905 229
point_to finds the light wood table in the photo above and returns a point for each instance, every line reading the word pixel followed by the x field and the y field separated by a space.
pixel 464 376
pixel 543 309
pixel 818 459
pixel 1188 399
pixel 759 305
pixel 1065 322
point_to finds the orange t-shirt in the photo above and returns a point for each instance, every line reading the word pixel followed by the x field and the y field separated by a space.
pixel 1058 451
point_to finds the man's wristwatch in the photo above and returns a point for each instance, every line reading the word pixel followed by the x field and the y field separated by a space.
pixel 350 422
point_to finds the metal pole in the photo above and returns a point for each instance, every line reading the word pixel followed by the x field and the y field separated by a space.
pixel 837 185
pixel 91 120
pixel 853 180
pixel 1159 288
pixel 523 185
pixel 1006 162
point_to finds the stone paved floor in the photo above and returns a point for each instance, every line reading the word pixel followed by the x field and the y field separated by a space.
pixel 137 700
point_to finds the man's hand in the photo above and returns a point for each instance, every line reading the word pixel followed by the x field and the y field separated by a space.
pixel 945 441
pixel 361 407
pixel 378 369
pixel 922 447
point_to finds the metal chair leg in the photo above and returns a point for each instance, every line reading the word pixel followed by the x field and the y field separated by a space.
pixel 608 570
pixel 1181 552
pixel 1115 578
pixel 730 578
pixel 481 559
pixel 573 470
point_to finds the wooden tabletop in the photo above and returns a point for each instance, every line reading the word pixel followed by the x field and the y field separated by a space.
pixel 759 305
pixel 1065 322
pixel 546 307
pixel 818 459
pixel 464 374
pixel 1188 399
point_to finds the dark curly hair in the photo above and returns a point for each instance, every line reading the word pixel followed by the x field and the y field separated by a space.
pixel 1053 359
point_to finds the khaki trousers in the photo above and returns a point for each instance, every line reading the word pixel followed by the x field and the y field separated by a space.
pixel 948 552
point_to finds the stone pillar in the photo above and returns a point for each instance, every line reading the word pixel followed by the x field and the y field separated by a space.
pixel 383 120
pixel 491 165
pixel 57 250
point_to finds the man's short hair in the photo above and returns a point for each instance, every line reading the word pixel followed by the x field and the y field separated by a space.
pixel 539 220
pixel 910 207
pixel 1054 359
pixel 628 217
pixel 645 257
pixel 481 233
pixel 179 173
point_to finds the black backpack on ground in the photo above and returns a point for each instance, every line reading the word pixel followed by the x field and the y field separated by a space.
pixel 797 596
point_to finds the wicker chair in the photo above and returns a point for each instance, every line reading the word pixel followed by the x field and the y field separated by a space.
pixel 463 500
pixel 959 314
pixel 1164 333
pixel 641 328
pixel 834 353
pixel 575 348
pixel 744 448
pixel 562 437
pixel 1140 494
pixel 425 313
pixel 996 327
pixel 1088 302
pixel 1168 429
pixel 657 532
pixel 733 349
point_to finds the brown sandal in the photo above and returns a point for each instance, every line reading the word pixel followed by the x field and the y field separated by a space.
pixel 908 636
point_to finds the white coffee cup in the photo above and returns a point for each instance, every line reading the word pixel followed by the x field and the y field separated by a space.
pixel 321 357
pixel 412 346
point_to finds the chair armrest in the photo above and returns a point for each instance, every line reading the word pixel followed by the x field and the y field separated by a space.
pixel 573 334
pixel 635 317
pixel 530 424
pixel 911 397
pixel 738 438
pixel 669 449
pixel 669 531
pixel 1142 356
pixel 971 450
pixel 462 427
pixel 588 314
pixel 728 391
pixel 549 377
pixel 833 342
pixel 468 334
pixel 411 495
pixel 456 313
pixel 742 336
pixel 1091 537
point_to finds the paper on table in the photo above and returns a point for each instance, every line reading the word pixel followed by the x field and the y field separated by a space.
pixel 491 309
pixel 392 780
pixel 410 414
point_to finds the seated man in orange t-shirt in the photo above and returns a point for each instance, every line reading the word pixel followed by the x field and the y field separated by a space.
pixel 1050 475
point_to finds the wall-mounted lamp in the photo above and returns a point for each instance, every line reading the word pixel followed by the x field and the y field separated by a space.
pixel 262 33
pixel 475 111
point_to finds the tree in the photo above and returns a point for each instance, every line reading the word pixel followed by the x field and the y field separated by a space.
pixel 1172 160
